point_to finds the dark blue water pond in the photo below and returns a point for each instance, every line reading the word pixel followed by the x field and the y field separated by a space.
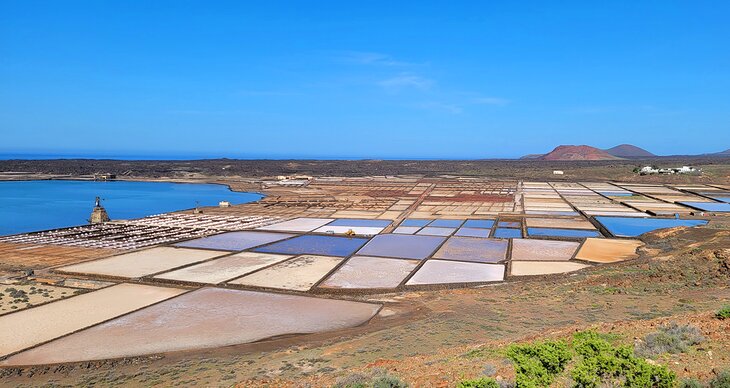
pixel 633 226
pixel 484 224
pixel 446 223
pixel 720 207
pixel 507 233
pixel 401 246
pixel 553 232
pixel 27 206
pixel 316 245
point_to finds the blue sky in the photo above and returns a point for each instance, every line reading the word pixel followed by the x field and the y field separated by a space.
pixel 372 79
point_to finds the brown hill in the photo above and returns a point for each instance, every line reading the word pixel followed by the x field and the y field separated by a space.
pixel 532 156
pixel 629 151
pixel 577 152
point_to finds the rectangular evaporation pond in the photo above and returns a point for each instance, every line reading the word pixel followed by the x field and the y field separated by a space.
pixel 43 323
pixel 552 213
pixel 633 226
pixel 479 250
pixel 298 225
pixel 141 263
pixel 370 272
pixel 445 272
pixel 358 230
pixel 507 233
pixel 415 222
pixel 446 223
pixel 401 246
pixel 316 245
pixel 205 318
pixel 723 199
pixel 472 232
pixel 608 250
pixel 560 223
pixel 483 224
pixel 234 241
pixel 407 229
pixel 568 233
pixel 298 274
pixel 543 250
pixel 509 224
pixel 709 206
pixel 616 193
pixel 219 270
pixel 434 231
pixel 359 222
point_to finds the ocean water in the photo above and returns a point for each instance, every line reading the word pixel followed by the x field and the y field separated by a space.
pixel 27 206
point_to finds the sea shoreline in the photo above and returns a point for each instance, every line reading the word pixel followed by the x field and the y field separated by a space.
pixel 142 202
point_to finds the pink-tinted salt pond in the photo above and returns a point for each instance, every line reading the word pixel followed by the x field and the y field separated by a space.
pixel 206 318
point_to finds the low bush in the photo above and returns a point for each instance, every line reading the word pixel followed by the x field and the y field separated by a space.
pixel 602 364
pixel 672 338
pixel 722 380
pixel 376 378
pixel 537 364
pixel 691 383
pixel 388 381
pixel 484 382
pixel 723 313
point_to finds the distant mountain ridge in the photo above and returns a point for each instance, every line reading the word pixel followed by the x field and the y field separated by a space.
pixel 622 151
pixel 576 152
pixel 629 151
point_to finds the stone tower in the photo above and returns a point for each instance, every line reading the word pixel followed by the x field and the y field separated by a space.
pixel 98 215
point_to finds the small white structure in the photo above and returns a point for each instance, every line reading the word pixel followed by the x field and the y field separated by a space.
pixel 558 172
pixel 649 170
pixel 224 204
pixel 294 177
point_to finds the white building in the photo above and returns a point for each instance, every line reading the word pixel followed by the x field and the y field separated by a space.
pixel 648 170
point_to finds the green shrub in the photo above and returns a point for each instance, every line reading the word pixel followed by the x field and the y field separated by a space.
pixel 691 383
pixel 484 382
pixel 723 313
pixel 604 364
pixel 722 380
pixel 672 338
pixel 376 378
pixel 536 365
pixel 388 381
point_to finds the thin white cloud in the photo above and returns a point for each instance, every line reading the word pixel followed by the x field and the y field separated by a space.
pixel 406 81
pixel 491 101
